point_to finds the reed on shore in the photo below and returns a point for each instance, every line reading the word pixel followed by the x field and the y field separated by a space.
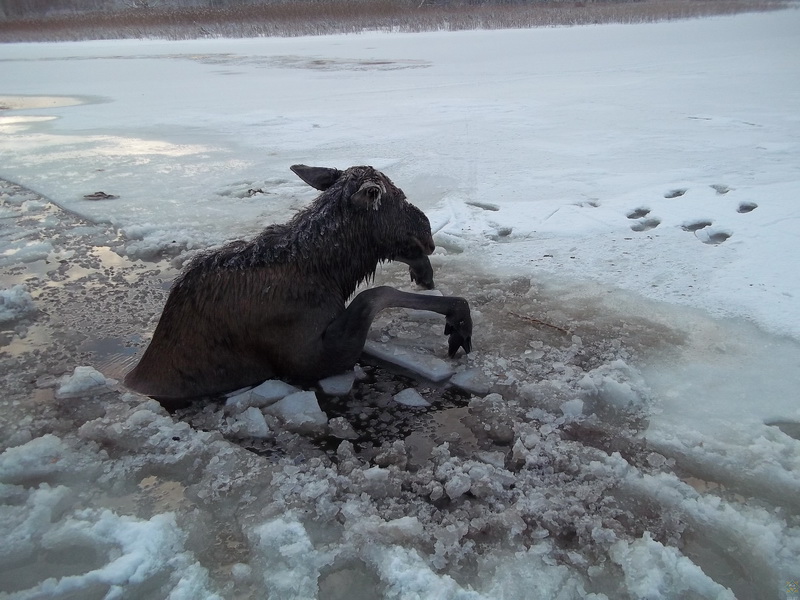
pixel 307 17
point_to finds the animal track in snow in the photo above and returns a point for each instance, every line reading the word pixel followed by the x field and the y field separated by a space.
pixel 676 193
pixel 713 237
pixel 696 225
pixel 483 205
pixel 701 228
pixel 639 213
pixel 721 188
pixel 646 224
pixel 593 203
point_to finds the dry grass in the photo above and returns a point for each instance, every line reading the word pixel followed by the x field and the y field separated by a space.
pixel 351 16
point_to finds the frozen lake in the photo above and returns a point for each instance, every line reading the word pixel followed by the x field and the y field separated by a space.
pixel 619 205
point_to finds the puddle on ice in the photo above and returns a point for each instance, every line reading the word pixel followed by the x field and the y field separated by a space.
pixel 12 122
pixel 614 446
pixel 22 102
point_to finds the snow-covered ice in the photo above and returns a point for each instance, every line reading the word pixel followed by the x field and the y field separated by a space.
pixel 617 202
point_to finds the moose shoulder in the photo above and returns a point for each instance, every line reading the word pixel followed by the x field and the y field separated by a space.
pixel 276 306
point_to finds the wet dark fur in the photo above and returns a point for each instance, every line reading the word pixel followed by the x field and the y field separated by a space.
pixel 253 310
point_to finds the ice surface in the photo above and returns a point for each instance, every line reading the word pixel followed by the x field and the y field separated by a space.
pixel 615 387
pixel 653 571
pixel 598 157
pixel 429 367
pixel 254 423
pixel 262 395
pixel 338 385
pixel 472 381
pixel 625 241
pixel 411 397
pixel 300 412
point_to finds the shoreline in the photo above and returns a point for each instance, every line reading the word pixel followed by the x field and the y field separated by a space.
pixel 354 16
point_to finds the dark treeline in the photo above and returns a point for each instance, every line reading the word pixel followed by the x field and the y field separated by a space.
pixel 60 20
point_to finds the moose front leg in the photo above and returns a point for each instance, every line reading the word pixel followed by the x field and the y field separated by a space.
pixel 345 337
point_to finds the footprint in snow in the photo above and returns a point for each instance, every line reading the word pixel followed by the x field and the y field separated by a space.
pixel 643 224
pixel 700 227
pixel 646 224
pixel 713 237
pixel 720 188
pixel 483 205
pixel 593 203
pixel 639 213
pixel 676 193
pixel 694 226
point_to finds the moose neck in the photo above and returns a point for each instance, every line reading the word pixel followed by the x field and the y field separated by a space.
pixel 322 245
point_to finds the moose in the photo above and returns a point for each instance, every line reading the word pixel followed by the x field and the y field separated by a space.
pixel 276 306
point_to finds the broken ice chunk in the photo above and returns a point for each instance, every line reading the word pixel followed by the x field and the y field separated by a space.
pixel 300 412
pixel 253 422
pixel 472 381
pixel 338 385
pixel 458 485
pixel 271 391
pixel 263 395
pixel 84 380
pixel 341 428
pixel 15 303
pixel 496 459
pixel 429 367
pixel 572 408
pixel 615 388
pixel 410 397
pixel 404 529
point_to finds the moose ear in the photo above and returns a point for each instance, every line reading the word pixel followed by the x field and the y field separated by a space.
pixel 320 178
pixel 368 195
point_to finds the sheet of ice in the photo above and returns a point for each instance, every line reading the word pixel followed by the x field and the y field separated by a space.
pixel 429 367
pixel 411 397
pixel 543 165
pixel 659 159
